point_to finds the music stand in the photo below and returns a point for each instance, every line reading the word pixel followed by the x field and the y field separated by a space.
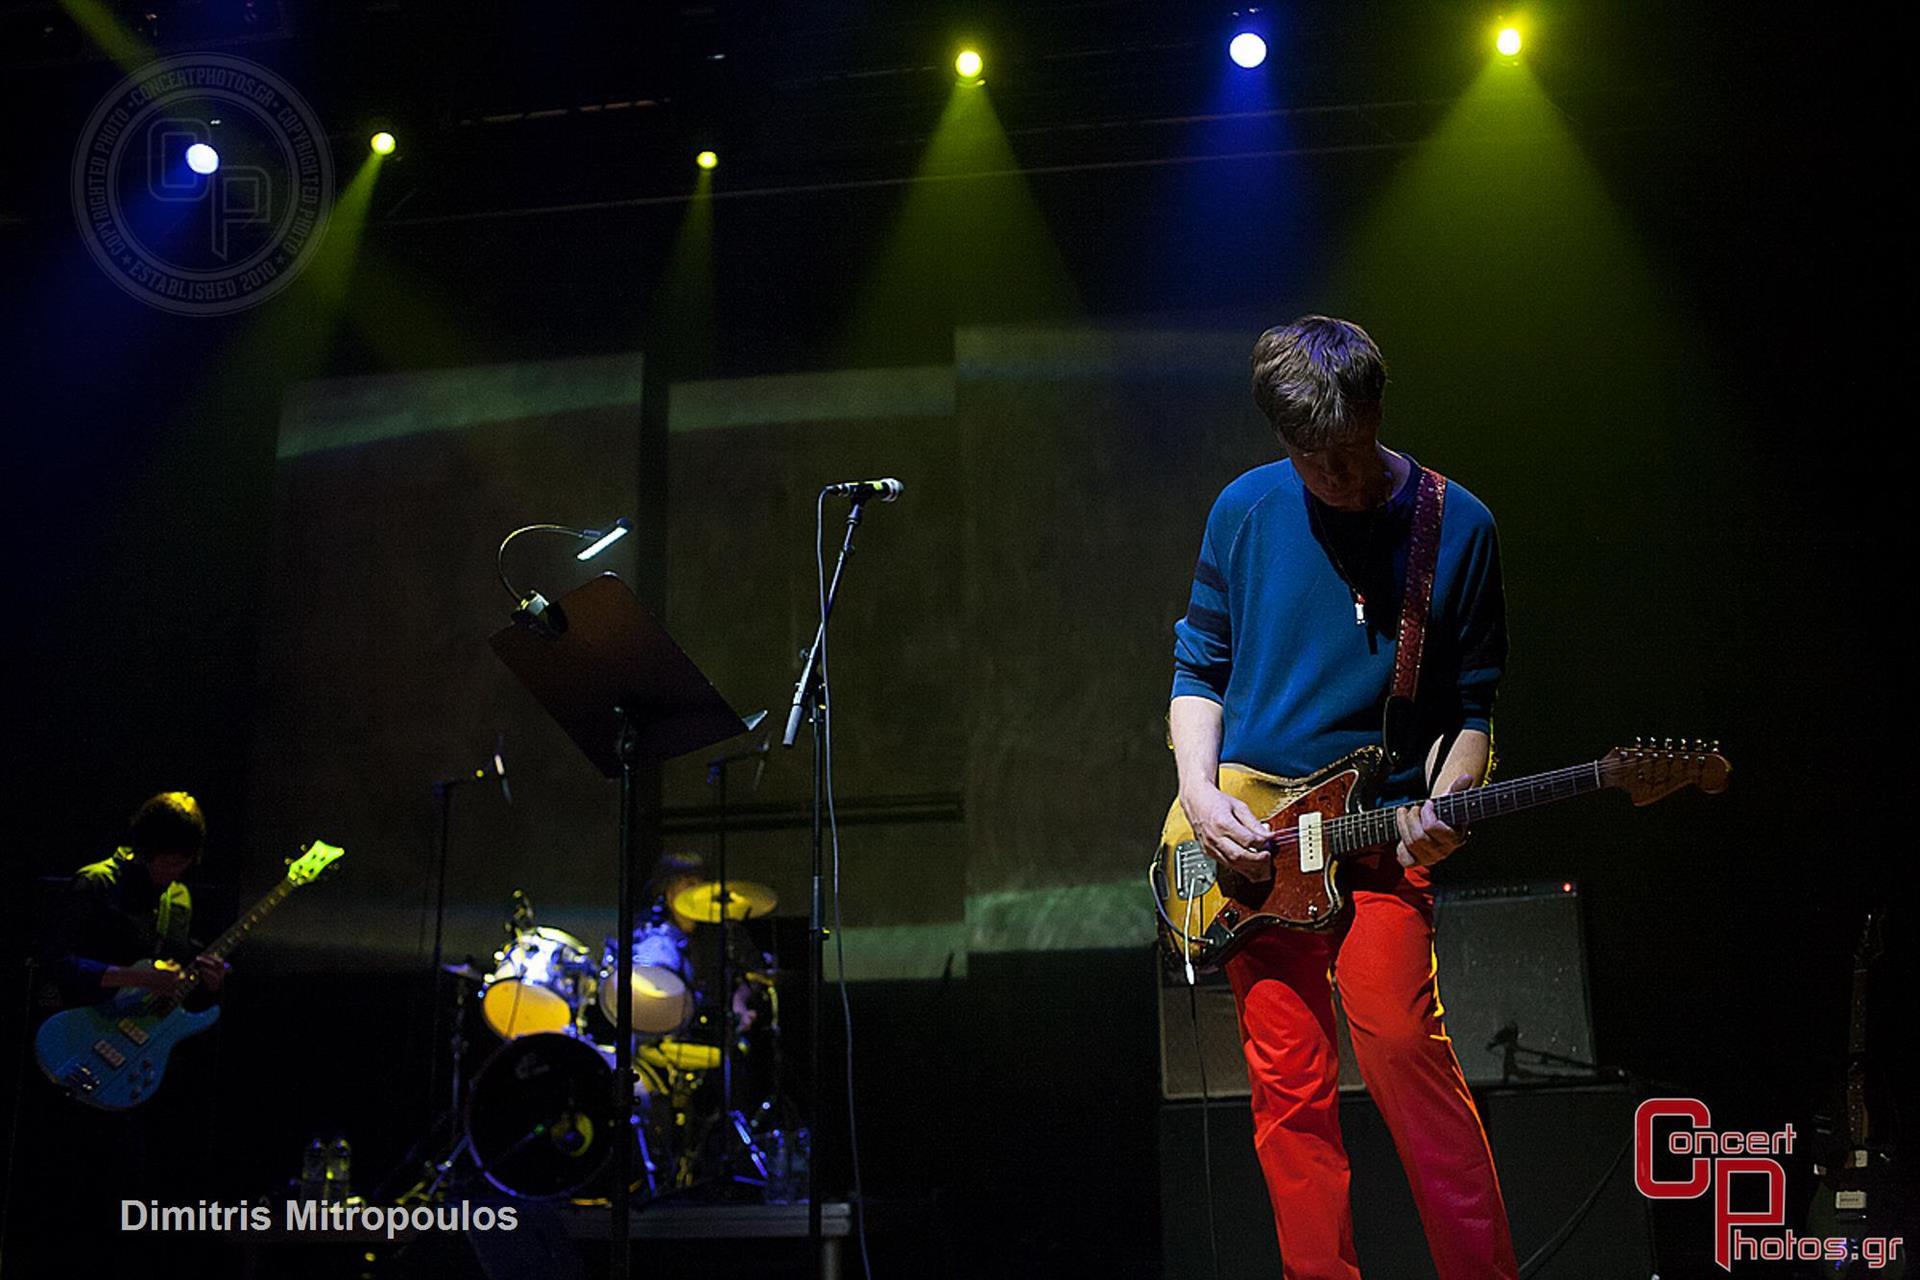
pixel 610 675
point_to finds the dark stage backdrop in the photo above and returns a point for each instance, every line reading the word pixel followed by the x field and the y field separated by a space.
pixel 392 494
pixel 1000 652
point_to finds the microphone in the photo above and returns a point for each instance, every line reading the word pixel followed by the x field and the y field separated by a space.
pixel 860 490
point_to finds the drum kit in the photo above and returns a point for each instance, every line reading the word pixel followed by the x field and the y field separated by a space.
pixel 538 1115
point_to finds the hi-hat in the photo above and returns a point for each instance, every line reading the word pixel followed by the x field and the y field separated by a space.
pixel 744 901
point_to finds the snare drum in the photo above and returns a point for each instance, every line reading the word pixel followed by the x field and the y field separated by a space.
pixel 539 983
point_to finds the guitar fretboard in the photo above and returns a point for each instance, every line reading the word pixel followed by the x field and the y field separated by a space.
pixel 238 931
pixel 1373 828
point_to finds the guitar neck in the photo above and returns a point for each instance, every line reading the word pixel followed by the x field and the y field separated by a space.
pixel 1374 828
pixel 238 931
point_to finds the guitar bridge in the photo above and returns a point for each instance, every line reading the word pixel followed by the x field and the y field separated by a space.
pixel 1193 871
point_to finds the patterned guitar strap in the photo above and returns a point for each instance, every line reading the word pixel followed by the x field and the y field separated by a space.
pixel 1416 602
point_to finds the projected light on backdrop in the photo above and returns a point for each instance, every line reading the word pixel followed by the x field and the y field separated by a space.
pixel 969 246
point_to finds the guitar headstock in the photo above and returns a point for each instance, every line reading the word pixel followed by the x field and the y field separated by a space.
pixel 313 860
pixel 1651 770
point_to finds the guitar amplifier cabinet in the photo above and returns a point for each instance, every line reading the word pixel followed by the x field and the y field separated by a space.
pixel 1512 965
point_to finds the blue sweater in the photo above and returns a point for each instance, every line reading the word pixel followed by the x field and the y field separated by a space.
pixel 1270 632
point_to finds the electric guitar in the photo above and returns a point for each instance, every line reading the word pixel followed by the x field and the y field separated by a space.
pixel 113 1054
pixel 1859 1194
pixel 1207 911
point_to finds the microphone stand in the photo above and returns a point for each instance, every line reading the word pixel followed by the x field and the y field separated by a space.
pixel 443 793
pixel 809 702
pixel 717 779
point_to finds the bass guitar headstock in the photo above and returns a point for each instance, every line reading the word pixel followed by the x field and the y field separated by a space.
pixel 313 862
pixel 1651 770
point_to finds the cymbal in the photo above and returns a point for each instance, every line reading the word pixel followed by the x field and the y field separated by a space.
pixel 683 1054
pixel 745 900
pixel 466 972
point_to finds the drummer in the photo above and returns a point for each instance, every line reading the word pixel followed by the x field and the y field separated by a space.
pixel 666 938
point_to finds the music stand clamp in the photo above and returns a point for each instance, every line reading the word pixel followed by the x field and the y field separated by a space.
pixel 627 695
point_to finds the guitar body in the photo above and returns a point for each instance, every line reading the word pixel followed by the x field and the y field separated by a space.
pixel 113 1055
pixel 1208 911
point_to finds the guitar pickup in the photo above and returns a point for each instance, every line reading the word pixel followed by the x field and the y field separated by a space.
pixel 108 1054
pixel 131 1030
pixel 1193 871
pixel 1313 843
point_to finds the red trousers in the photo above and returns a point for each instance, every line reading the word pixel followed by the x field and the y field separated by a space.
pixel 1382 959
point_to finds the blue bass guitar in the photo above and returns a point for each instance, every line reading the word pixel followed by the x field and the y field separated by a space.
pixel 113 1055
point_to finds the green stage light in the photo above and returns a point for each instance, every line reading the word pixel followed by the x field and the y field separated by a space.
pixel 382 143
pixel 968 64
pixel 707 159
pixel 1508 41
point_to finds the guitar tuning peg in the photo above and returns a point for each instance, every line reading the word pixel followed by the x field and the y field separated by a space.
pixel 1669 744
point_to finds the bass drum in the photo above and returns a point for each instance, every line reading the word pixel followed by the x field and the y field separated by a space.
pixel 540 1116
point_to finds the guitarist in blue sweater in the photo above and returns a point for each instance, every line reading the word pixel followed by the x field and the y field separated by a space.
pixel 1284 664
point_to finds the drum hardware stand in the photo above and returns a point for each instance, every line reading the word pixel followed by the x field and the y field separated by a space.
pixel 615 681
pixel 810 703
pixel 428 1187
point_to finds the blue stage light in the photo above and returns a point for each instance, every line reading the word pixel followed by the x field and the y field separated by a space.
pixel 1247 50
pixel 202 158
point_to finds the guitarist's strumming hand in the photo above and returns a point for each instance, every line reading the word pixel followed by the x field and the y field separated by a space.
pixel 163 978
pixel 1424 839
pixel 1229 832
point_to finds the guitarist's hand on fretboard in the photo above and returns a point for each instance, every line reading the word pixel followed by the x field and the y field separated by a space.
pixel 212 973
pixel 1424 838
